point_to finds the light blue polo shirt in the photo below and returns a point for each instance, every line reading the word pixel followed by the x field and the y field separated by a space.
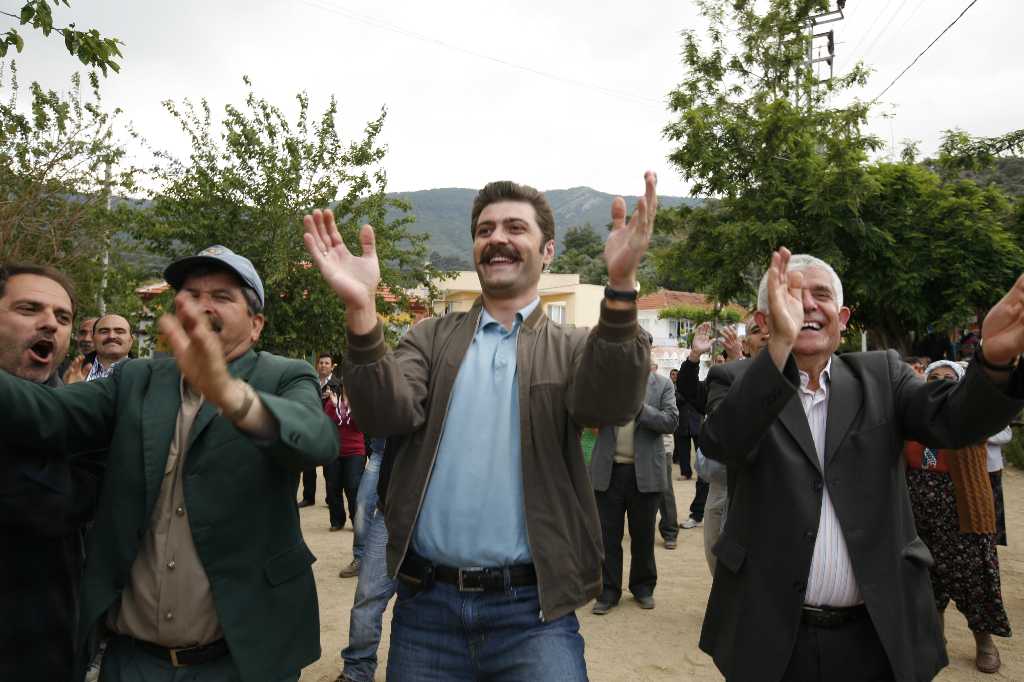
pixel 473 513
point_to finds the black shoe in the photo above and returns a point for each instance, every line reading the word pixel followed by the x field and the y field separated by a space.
pixel 601 608
pixel 646 602
pixel 335 529
pixel 305 503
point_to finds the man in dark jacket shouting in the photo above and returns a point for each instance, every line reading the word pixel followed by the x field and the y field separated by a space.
pixel 493 529
pixel 45 498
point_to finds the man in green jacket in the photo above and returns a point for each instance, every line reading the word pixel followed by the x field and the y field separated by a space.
pixel 196 556
pixel 492 525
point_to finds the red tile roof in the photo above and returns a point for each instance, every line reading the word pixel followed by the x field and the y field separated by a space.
pixel 666 298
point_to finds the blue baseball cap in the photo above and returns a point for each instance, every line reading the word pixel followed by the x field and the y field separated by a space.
pixel 220 256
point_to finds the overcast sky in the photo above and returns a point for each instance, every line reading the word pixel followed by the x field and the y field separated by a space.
pixel 551 93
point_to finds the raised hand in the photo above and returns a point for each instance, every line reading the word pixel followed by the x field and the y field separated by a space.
pixel 732 343
pixel 353 278
pixel 701 343
pixel 785 306
pixel 627 243
pixel 197 350
pixel 77 371
pixel 1002 332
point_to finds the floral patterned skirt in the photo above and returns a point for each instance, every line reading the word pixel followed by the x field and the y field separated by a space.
pixel 996 477
pixel 966 566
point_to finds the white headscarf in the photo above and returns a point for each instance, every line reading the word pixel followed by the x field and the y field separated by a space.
pixel 957 368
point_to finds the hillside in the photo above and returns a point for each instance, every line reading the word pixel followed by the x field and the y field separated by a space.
pixel 444 214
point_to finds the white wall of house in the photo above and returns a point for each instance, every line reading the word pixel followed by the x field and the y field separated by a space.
pixel 665 332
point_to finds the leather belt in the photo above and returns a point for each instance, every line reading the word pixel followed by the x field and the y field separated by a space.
pixel 186 656
pixel 831 616
pixel 419 572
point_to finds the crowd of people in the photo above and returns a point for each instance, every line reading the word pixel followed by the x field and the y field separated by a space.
pixel 150 511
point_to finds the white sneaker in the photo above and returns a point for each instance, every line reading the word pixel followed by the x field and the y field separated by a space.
pixel 690 522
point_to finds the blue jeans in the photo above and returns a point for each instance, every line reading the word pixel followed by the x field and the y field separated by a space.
pixel 373 592
pixel 366 498
pixel 442 635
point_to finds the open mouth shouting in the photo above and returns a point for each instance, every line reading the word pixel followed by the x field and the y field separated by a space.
pixel 41 351
pixel 811 326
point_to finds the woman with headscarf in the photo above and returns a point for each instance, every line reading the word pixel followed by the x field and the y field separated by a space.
pixel 951 496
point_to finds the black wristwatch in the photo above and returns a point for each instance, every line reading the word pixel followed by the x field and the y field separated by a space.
pixel 979 355
pixel 616 295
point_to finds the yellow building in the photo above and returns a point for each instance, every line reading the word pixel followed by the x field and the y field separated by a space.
pixel 562 297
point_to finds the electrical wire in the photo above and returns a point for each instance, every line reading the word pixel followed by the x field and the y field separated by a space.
pixel 885 29
pixel 394 28
pixel 866 33
pixel 922 53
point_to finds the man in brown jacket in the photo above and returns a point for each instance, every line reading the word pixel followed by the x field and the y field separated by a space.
pixel 493 529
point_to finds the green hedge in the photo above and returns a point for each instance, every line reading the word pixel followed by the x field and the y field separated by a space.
pixel 1013 452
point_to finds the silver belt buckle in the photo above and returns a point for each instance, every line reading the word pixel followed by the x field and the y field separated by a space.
pixel 174 658
pixel 474 570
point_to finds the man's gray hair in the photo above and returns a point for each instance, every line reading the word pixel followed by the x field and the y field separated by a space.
pixel 799 262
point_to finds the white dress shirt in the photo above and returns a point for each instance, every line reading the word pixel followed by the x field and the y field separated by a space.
pixel 831 581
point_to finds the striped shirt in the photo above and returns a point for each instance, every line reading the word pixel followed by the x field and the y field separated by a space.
pixel 831 581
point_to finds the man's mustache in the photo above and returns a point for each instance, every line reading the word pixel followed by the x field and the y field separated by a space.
pixel 494 251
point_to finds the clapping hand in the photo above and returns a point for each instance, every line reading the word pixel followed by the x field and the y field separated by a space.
pixel 701 343
pixel 627 243
pixel 198 351
pixel 353 278
pixel 1002 332
pixel 732 343
pixel 785 305
pixel 77 371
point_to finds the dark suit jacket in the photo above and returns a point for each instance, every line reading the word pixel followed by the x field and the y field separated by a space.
pixel 240 494
pixel 45 501
pixel 691 389
pixel 757 427
pixel 658 416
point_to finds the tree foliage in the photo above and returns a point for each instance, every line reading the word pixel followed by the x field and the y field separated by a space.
pixel 755 131
pixel 54 154
pixel 449 263
pixel 946 256
pixel 248 187
pixel 582 254
pixel 91 48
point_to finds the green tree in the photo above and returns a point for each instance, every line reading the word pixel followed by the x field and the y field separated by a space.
pixel 582 254
pixel 91 48
pixel 755 131
pixel 784 172
pixel 947 255
pixel 449 263
pixel 248 187
pixel 59 205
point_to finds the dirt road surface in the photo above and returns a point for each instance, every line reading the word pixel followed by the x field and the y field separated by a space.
pixel 632 645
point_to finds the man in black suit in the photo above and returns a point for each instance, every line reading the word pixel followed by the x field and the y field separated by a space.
pixel 45 498
pixel 838 589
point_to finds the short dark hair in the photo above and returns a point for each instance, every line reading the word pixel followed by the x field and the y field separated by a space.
pixel 9 270
pixel 325 355
pixel 506 190
pixel 252 299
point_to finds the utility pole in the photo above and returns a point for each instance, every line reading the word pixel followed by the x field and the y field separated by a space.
pixel 813 22
pixel 105 263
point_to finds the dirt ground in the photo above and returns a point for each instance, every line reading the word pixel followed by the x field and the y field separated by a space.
pixel 631 645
